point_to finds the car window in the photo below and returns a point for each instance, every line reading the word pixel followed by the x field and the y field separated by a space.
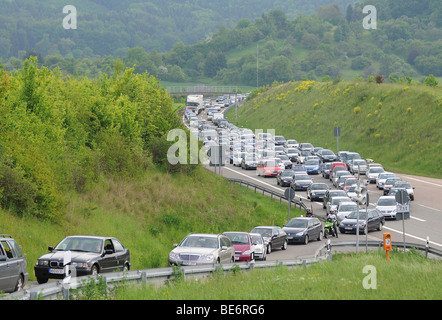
pixel 225 242
pixel 108 245
pixel 118 246
pixel 9 252
pixel 16 248
pixel 1 251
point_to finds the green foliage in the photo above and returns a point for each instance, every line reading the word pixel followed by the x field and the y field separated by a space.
pixel 431 81
pixel 60 133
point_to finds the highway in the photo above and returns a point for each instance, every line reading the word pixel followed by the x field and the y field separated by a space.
pixel 425 211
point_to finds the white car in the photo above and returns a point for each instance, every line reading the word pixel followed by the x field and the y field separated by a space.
pixel 382 177
pixel 237 158
pixel 407 186
pixel 258 246
pixel 200 249
pixel 333 205
pixel 387 206
pixel 344 209
pixel 373 173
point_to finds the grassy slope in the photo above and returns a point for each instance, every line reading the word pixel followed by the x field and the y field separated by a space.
pixel 341 279
pixel 148 215
pixel 397 125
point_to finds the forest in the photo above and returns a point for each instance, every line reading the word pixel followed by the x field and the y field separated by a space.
pixel 276 45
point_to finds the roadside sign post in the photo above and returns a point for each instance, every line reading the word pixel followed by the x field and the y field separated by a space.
pixel 289 194
pixel 403 208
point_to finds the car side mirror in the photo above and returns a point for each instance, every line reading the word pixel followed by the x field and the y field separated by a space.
pixel 224 248
pixel 108 251
pixel 51 249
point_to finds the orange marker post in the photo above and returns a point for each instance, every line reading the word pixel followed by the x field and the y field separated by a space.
pixel 387 244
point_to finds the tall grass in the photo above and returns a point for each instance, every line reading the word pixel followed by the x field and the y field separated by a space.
pixel 148 214
pixel 397 125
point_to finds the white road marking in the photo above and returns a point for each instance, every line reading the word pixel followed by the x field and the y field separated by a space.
pixel 412 236
pixel 434 184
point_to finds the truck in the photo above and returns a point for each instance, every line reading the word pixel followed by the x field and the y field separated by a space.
pixel 195 103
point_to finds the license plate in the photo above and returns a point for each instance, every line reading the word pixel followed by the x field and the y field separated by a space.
pixel 56 271
pixel 188 263
pixel 236 258
pixel 348 228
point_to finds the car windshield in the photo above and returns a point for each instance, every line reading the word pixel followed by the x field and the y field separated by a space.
pixel 200 241
pixel 287 173
pixel 265 232
pixel 312 162
pixel 319 186
pixel 386 175
pixel 256 239
pixel 354 215
pixel 297 223
pixel 272 163
pixel 327 152
pixel 359 162
pixel 302 177
pixel 347 207
pixel 336 201
pixel 238 238
pixel 386 202
pixel 405 185
pixel 292 151
pixel 376 170
pixel 80 244
pixel 305 153
pixel 251 158
pixel 350 182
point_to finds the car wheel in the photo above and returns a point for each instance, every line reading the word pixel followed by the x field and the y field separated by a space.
pixel 42 280
pixel 380 226
pixel 365 231
pixel 306 239
pixel 269 248
pixel 320 236
pixel 284 246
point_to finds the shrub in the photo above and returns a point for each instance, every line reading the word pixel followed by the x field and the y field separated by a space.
pixel 379 79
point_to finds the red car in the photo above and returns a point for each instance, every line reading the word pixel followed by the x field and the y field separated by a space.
pixel 242 242
pixel 269 167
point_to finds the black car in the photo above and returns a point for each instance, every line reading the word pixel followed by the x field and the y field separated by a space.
pixel 301 181
pixel 372 219
pixel 274 237
pixel 329 194
pixel 90 255
pixel 284 178
pixel 302 229
pixel 317 190
pixel 326 155
pixel 13 273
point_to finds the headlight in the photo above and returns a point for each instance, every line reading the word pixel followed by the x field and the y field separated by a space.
pixel 247 252
pixel 80 264
pixel 173 256
pixel 207 257
pixel 42 262
pixel 300 233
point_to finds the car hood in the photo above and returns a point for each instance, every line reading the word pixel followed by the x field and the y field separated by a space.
pixel 293 230
pixel 75 255
pixel 383 208
pixel 241 247
pixel 195 250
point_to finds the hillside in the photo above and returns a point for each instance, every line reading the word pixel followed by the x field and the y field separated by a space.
pixel 398 125
pixel 81 156
pixel 274 45
pixel 110 27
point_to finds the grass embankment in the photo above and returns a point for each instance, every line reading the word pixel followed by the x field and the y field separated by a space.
pixel 397 125
pixel 405 276
pixel 148 214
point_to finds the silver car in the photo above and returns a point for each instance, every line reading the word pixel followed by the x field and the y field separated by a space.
pixel 13 274
pixel 202 248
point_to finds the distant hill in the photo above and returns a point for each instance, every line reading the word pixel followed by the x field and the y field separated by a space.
pixel 109 27
pixel 277 45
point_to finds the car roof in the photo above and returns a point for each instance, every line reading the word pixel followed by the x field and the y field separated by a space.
pixel 203 235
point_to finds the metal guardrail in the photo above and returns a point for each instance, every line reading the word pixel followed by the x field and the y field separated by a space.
pixel 272 193
pixel 57 290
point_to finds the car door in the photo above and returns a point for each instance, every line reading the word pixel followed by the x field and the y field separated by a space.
pixel 121 254
pixel 108 261
pixel 11 266
pixel 5 273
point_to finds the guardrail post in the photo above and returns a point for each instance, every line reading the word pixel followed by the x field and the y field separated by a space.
pixel 329 253
pixel 65 292
pixel 427 245
pixel 33 295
